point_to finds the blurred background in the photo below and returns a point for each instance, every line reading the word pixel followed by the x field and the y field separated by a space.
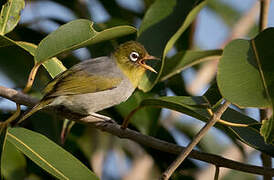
pixel 110 157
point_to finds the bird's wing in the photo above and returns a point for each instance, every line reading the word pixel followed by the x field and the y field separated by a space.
pixel 77 81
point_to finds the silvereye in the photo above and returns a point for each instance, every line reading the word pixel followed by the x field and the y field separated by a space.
pixel 99 83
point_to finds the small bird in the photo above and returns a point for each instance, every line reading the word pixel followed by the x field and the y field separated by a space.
pixel 97 84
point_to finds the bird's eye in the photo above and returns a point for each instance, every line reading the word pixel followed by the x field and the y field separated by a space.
pixel 134 56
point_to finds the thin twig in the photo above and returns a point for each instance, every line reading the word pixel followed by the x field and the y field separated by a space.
pixel 217 172
pixel 145 140
pixel 196 139
pixel 263 14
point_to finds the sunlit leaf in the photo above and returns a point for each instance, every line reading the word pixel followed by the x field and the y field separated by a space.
pixel 245 74
pixel 163 24
pixel 184 59
pixel 267 130
pixel 10 15
pixel 13 162
pixel 48 155
pixel 53 66
pixel 76 34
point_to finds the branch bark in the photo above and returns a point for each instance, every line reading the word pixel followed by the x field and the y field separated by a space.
pixel 17 96
pixel 115 129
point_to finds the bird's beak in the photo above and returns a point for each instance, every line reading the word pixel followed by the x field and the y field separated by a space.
pixel 144 65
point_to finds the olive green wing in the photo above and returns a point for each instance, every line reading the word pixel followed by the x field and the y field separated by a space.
pixel 80 82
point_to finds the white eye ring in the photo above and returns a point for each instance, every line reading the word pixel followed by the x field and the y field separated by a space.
pixel 134 56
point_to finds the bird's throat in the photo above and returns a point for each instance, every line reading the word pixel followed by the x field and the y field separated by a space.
pixel 133 73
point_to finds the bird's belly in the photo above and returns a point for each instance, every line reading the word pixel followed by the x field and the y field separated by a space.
pixel 92 102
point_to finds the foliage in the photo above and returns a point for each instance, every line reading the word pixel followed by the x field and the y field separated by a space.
pixel 245 77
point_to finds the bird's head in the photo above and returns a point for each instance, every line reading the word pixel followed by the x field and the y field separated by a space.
pixel 131 57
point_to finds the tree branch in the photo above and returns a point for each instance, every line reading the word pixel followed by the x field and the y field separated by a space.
pixel 17 96
pixel 115 129
pixel 196 139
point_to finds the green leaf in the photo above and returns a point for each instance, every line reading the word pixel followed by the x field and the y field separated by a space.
pixel 76 34
pixel 149 116
pixel 197 107
pixel 177 84
pixel 163 24
pixel 10 15
pixel 48 155
pixel 249 135
pixel 54 66
pixel 5 41
pixel 213 95
pixel 264 58
pixel 267 130
pixel 13 162
pixel 192 106
pixel 184 59
pixel 245 74
pixel 238 77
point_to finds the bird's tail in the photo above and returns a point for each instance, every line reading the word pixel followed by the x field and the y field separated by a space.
pixel 36 108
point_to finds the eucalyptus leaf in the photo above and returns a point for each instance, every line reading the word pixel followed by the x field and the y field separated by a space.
pixel 184 59
pixel 197 107
pixel 76 34
pixel 150 116
pixel 13 162
pixel 5 41
pixel 192 106
pixel 267 130
pixel 10 15
pixel 238 80
pixel 48 155
pixel 163 24
pixel 53 66
pixel 245 74
pixel 249 135
pixel 213 95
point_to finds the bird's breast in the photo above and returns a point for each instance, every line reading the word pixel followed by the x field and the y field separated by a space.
pixel 92 102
